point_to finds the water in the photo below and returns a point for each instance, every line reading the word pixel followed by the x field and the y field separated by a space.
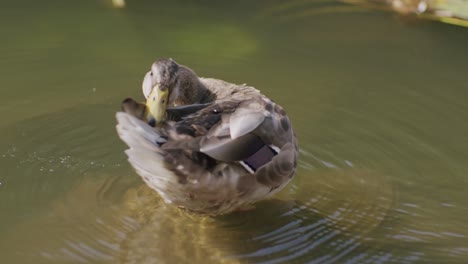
pixel 378 103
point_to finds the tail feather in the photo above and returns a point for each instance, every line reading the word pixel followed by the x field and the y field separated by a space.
pixel 144 153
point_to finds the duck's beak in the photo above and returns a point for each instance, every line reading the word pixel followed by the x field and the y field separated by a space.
pixel 156 104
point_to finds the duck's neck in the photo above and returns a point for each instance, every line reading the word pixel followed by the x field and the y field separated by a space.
pixel 191 90
pixel 203 94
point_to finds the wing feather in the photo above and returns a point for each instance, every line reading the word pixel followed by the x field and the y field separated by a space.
pixel 231 138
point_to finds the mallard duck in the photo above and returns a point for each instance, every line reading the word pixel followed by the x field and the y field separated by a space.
pixel 205 144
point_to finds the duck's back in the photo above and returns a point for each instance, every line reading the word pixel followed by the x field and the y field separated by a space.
pixel 239 149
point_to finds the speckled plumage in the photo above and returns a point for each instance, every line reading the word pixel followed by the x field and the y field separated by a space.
pixel 196 160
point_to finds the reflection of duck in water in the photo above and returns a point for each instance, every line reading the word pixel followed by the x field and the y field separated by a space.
pixel 221 147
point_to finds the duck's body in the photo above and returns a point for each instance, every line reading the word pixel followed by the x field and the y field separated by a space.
pixel 230 147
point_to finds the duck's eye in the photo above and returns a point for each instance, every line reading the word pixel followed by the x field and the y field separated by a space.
pixel 163 101
pixel 151 74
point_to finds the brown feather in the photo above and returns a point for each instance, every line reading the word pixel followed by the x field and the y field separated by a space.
pixel 204 148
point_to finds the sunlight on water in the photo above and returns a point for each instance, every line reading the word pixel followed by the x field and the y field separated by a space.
pixel 378 106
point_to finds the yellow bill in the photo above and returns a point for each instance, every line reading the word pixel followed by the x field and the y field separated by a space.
pixel 156 104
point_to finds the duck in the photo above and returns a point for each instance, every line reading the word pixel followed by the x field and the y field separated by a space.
pixel 204 144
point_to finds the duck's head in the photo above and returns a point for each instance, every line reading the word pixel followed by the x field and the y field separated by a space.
pixel 168 83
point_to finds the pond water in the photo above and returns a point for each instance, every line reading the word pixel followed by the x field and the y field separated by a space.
pixel 378 103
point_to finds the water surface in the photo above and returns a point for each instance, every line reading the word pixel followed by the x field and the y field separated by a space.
pixel 378 103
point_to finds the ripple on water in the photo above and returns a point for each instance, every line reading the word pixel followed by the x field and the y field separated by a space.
pixel 425 219
pixel 94 208
pixel 46 154
pixel 64 174
pixel 104 215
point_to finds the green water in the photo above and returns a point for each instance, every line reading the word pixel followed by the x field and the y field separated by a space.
pixel 378 104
